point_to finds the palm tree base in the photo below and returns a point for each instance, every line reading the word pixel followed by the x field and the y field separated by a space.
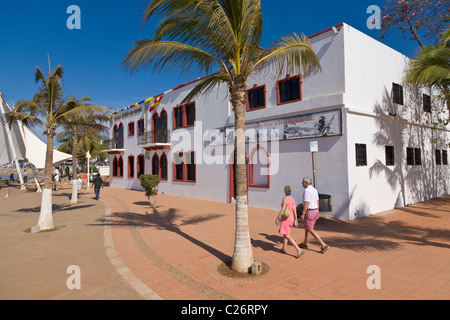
pixel 46 215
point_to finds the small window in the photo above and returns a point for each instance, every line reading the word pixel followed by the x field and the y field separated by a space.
pixel 426 103
pixel 140 126
pixel 361 155
pixel 289 90
pixel 178 117
pixel 413 156
pixel 131 129
pixel 438 157
pixel 397 93
pixel 444 157
pixel 389 155
pixel 256 98
pixel 190 114
pixel 410 156
pixel 417 156
pixel 190 166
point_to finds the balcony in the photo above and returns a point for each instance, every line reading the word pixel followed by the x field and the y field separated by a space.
pixel 154 140
pixel 113 147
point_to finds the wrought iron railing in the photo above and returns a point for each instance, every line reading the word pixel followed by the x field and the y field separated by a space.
pixel 156 136
pixel 112 144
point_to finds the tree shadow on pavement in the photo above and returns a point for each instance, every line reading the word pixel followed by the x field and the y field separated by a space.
pixel 375 233
pixel 168 221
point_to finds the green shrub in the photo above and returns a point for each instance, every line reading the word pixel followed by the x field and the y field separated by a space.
pixel 150 184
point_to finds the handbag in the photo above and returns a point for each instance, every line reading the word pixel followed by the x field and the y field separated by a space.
pixel 286 213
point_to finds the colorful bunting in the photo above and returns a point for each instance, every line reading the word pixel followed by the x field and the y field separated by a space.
pixel 148 100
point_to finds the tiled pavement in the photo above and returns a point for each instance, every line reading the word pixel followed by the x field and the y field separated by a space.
pixel 176 250
pixel 129 251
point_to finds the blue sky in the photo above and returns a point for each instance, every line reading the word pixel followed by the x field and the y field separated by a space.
pixel 92 56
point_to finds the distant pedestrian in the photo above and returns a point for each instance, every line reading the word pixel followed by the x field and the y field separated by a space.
pixel 286 223
pixel 310 214
pixel 79 182
pixel 25 176
pixel 11 177
pixel 56 178
pixel 98 183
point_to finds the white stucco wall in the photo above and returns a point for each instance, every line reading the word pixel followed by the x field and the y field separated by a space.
pixel 356 78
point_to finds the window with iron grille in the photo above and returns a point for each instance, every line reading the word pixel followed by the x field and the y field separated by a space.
pixel 397 93
pixel 413 156
pixel 178 117
pixel 190 166
pixel 444 157
pixel 417 156
pixel 438 157
pixel 389 150
pixel 426 103
pixel 361 155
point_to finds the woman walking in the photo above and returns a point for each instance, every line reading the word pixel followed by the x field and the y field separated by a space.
pixel 287 222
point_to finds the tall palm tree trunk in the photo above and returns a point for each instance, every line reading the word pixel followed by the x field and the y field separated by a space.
pixel 46 216
pixel 74 198
pixel 242 255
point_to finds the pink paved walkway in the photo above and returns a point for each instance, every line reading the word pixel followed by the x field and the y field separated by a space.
pixel 176 250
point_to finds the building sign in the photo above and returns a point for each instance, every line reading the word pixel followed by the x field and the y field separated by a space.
pixel 314 146
pixel 307 126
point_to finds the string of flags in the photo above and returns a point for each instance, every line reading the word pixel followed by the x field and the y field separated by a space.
pixel 154 103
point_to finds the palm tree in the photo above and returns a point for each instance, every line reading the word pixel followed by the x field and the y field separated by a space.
pixel 199 35
pixel 49 109
pixel 432 68
pixel 82 127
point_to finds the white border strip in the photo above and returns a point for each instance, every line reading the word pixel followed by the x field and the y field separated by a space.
pixel 119 264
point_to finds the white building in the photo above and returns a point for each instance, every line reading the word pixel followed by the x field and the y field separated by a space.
pixel 375 148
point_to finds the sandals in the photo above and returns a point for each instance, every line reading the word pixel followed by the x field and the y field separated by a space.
pixel 299 254
pixel 303 246
pixel 283 251
pixel 324 249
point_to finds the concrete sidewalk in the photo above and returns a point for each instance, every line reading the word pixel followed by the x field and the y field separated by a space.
pixel 127 251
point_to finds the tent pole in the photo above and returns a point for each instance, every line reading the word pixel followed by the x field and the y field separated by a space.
pixel 11 145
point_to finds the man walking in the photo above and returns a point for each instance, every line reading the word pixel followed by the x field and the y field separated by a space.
pixel 56 179
pixel 310 214
pixel 98 182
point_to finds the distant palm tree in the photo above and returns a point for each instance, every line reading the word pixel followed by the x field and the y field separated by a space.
pixel 83 127
pixel 199 35
pixel 432 68
pixel 49 109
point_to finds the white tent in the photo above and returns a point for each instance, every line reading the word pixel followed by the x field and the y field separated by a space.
pixel 18 142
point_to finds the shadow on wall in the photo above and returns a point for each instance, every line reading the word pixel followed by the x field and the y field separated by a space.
pixel 419 181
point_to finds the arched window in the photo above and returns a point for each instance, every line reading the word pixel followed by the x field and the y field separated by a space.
pixel 120 167
pixel 118 136
pixel 163 167
pixel 114 167
pixel 131 167
pixel 259 168
pixel 155 165
pixel 140 165
pixel 160 127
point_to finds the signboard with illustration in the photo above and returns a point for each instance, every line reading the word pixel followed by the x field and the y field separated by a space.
pixel 307 126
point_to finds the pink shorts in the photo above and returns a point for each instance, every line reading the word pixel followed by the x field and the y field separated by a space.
pixel 311 218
